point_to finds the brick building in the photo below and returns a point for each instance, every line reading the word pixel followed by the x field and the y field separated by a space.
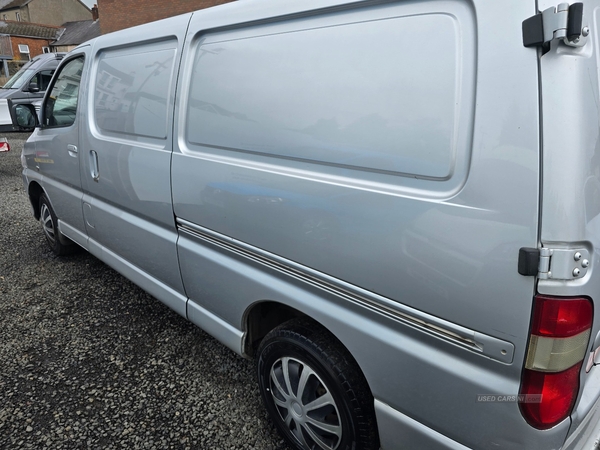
pixel 48 12
pixel 29 39
pixel 118 14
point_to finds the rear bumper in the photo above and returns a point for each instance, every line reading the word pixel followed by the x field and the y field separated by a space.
pixel 397 429
pixel 587 435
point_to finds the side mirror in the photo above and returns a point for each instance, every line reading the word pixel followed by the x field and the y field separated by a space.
pixel 33 86
pixel 24 117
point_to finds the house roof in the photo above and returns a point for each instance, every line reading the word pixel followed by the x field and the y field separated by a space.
pixel 10 4
pixel 26 29
pixel 78 32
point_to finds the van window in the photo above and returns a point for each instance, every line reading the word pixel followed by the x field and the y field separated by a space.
pixel 131 90
pixel 19 79
pixel 360 94
pixel 42 79
pixel 61 105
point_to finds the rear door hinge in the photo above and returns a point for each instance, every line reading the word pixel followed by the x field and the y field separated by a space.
pixel 554 263
pixel 563 22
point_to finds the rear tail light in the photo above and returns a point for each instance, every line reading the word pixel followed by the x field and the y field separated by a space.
pixel 4 145
pixel 560 333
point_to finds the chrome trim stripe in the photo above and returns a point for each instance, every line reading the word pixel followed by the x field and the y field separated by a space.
pixel 456 334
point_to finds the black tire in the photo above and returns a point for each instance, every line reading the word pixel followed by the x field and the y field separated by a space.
pixel 50 229
pixel 320 372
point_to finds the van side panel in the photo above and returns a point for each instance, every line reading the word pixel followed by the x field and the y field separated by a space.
pixel 128 146
pixel 299 156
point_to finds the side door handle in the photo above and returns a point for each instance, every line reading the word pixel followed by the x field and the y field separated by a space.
pixel 94 171
pixel 72 150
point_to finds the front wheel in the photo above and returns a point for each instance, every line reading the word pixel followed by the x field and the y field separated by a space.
pixel 314 391
pixel 50 228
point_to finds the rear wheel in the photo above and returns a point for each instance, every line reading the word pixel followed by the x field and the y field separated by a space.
pixel 314 391
pixel 50 228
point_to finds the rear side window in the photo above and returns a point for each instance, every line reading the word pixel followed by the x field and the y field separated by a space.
pixel 61 105
pixel 132 88
pixel 361 94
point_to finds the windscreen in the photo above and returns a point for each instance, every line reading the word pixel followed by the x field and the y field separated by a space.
pixel 19 79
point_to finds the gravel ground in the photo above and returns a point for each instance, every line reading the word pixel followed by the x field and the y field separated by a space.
pixel 88 360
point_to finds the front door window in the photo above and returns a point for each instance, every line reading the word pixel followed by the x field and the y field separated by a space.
pixel 61 104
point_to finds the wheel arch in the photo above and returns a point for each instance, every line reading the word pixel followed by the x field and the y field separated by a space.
pixel 35 191
pixel 263 316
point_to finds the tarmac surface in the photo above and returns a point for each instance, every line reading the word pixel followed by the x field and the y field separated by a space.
pixel 89 360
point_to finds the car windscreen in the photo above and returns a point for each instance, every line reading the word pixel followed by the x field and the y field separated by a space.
pixel 19 79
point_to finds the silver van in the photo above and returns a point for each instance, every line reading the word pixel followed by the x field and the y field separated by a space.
pixel 392 206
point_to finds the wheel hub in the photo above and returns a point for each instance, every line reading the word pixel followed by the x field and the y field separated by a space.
pixel 297 409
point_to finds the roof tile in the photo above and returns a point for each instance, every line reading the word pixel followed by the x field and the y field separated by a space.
pixel 10 4
pixel 27 29
pixel 78 32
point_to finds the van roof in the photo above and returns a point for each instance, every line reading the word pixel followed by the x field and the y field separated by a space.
pixel 44 59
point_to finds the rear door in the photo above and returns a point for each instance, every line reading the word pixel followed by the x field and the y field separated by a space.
pixel 570 80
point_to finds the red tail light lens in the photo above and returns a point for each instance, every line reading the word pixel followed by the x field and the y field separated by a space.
pixel 558 341
pixel 561 317
pixel 549 397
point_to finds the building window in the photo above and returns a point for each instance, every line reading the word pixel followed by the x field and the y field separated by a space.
pixel 18 17
pixel 4 17
pixel 46 49
pixel 24 51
